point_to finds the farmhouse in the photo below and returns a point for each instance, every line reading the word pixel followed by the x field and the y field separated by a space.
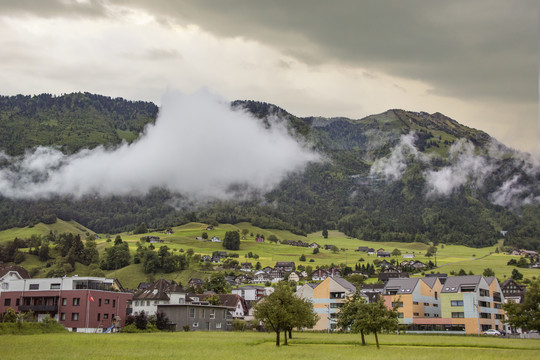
pixel 159 292
pixel 285 266
pixel 198 316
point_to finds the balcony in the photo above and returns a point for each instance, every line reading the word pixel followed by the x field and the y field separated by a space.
pixel 39 308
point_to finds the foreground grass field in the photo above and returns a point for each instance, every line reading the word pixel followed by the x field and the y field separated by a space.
pixel 213 345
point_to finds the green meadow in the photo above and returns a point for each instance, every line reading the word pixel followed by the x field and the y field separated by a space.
pixel 449 257
pixel 229 345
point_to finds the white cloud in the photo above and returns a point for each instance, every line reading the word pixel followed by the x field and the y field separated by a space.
pixel 199 146
pixel 466 167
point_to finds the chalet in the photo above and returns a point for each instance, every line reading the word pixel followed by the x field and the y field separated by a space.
pixel 152 239
pixel 384 263
pixel 285 266
pixel 159 292
pixel 513 291
pixel 216 239
pixel 233 301
pixel 267 269
pixel 334 271
pixel 362 248
pixel 195 283
pixel 242 279
pixel 246 266
pixel 371 251
pixel 328 247
pixel 314 245
pixel 295 276
pixel 168 232
pixel 261 277
pixel 381 249
pixel 277 275
pixel 209 227
pixel 206 258
pixel 319 275
pixel 383 253
pixel 259 239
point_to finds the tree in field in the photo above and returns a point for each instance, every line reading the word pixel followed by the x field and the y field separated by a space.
pixel 488 272
pixel 302 257
pixel 205 235
pixel 231 240
pixel 141 229
pixel 44 251
pixel 281 311
pixel 525 315
pixel 244 233
pixel 396 252
pixel 325 233
pixel 217 283
pixel 516 275
pixel 358 316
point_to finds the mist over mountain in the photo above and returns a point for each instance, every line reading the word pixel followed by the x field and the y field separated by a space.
pixel 111 164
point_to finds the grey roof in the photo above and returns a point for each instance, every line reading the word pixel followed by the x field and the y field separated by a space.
pixel 347 285
pixel 250 287
pixel 489 279
pixel 430 281
pixel 157 291
pixel 453 284
pixel 402 285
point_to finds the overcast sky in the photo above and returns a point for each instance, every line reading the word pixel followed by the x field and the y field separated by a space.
pixel 473 60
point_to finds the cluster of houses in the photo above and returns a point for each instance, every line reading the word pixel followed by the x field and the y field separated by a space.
pixel 432 304
pixel 435 303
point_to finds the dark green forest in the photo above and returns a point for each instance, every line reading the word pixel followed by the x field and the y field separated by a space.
pixel 338 193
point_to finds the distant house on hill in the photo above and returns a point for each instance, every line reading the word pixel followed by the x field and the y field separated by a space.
pixel 259 239
pixel 216 239
pixel 285 266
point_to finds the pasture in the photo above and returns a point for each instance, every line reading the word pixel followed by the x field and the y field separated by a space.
pixel 230 345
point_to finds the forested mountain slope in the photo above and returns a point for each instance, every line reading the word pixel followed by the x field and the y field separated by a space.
pixel 395 176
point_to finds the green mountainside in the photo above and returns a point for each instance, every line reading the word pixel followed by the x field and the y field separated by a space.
pixel 342 193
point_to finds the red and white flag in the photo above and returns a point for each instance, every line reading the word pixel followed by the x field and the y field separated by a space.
pixel 90 298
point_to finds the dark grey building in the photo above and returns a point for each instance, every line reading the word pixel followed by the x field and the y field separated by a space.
pixel 198 316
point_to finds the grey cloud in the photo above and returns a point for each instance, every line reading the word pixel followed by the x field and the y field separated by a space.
pixel 198 147
pixel 54 8
pixel 479 49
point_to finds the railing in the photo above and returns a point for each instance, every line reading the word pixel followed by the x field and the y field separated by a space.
pixel 39 308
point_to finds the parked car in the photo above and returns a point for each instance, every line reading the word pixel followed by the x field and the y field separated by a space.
pixel 492 332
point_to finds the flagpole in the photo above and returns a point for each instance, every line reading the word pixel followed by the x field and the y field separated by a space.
pixel 87 309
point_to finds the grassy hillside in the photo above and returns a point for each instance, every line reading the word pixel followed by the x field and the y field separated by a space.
pixel 60 226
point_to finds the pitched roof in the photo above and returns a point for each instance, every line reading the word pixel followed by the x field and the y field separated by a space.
pixel 347 285
pixel 157 291
pixel 430 281
pixel 402 285
pixel 454 284
pixel 4 269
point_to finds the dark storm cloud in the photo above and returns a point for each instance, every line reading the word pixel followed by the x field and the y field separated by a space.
pixel 479 49
pixel 53 8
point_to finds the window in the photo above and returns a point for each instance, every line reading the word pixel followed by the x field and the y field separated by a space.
pixel 34 287
pixel 224 314
pixel 212 313
pixel 202 313
pixel 426 304
pixel 416 314
pixel 456 303
pixel 483 303
pixel 17 302
pixel 484 292
pixel 7 302
pixel 107 301
pixel 497 306
pixel 485 315
pixel 105 316
pixel 114 303
pixel 336 305
pixel 458 315
pixel 74 316
pixel 5 286
pixel 55 286
pixel 98 317
pixel 499 316
pixel 63 316
pixel 398 304
pixel 191 312
pixel 218 325
pixel 400 315
pixel 99 302
pixel 436 295
pixel 415 302
pixel 435 305
pixel 64 301
pixel 76 301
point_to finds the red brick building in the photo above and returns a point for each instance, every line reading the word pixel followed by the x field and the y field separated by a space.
pixel 82 304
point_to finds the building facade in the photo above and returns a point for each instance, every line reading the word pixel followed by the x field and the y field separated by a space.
pixel 81 304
